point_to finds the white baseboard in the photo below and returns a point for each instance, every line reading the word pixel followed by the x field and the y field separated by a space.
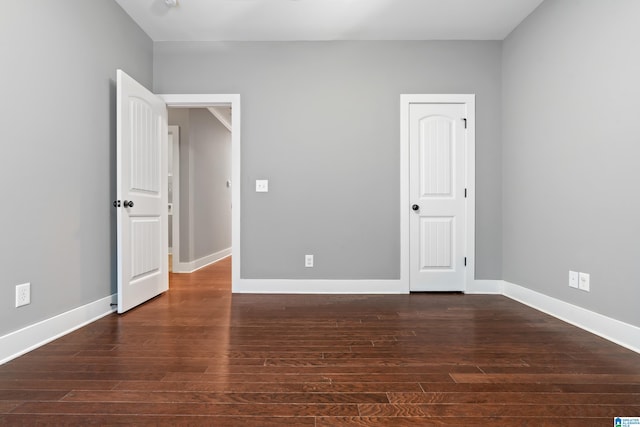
pixel 33 336
pixel 610 329
pixel 190 267
pixel 276 286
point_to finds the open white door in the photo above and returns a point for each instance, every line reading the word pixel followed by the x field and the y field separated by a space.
pixel 141 193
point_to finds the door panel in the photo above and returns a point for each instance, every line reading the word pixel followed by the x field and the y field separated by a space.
pixel 437 179
pixel 436 243
pixel 435 156
pixel 142 191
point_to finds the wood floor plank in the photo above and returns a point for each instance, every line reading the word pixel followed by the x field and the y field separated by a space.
pixel 198 355
pixel 505 398
pixel 8 406
pixel 246 387
pixel 460 421
pixel 73 420
pixel 183 408
pixel 32 394
pixel 496 410
pixel 205 397
pixel 42 384
pixel 570 378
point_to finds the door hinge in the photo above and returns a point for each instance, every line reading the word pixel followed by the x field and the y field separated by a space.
pixel 465 193
pixel 465 123
pixel 465 261
pixel 116 203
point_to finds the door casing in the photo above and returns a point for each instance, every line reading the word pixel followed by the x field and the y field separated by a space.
pixel 405 203
pixel 212 100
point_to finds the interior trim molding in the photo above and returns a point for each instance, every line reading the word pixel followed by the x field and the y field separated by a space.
pixel 17 343
pixel 190 267
pixel 211 100
pixel 610 329
pixel 286 286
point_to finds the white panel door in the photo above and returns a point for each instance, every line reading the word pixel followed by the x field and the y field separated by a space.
pixel 141 194
pixel 437 158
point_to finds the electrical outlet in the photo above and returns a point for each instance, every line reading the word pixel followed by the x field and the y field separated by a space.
pixel 573 279
pixel 262 185
pixel 584 282
pixel 308 260
pixel 23 294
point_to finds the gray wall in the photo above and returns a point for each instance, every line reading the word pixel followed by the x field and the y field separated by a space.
pixel 571 148
pixel 205 167
pixel 320 120
pixel 58 132
pixel 211 198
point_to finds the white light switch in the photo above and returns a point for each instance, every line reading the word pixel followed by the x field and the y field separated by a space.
pixel 262 186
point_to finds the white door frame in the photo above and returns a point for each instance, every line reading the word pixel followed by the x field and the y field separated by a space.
pixel 175 210
pixel 212 100
pixel 405 101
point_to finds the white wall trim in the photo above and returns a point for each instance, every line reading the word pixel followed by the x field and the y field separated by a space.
pixel 221 118
pixel 277 286
pixel 405 101
pixel 190 267
pixel 29 338
pixel 175 214
pixel 610 329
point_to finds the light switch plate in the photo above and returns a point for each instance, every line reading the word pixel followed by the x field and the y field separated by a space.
pixel 262 186
pixel 308 261
pixel 573 279
pixel 584 282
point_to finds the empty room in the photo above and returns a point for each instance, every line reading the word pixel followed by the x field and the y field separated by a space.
pixel 411 212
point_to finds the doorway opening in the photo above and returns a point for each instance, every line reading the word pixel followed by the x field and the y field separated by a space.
pixel 226 109
pixel 199 186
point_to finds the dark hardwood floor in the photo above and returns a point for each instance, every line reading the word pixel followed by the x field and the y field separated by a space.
pixel 199 356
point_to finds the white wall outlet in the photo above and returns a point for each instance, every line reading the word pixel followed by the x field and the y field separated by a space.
pixel 573 279
pixel 23 294
pixel 308 260
pixel 584 282
pixel 262 185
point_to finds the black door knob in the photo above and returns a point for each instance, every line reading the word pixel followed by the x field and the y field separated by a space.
pixel 415 207
pixel 128 204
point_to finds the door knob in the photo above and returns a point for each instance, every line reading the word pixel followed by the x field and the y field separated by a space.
pixel 414 207
pixel 128 204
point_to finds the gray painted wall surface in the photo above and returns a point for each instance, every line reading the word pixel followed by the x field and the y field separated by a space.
pixel 320 120
pixel 205 167
pixel 571 105
pixel 211 168
pixel 58 131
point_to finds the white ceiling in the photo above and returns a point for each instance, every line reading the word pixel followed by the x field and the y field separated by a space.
pixel 279 20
